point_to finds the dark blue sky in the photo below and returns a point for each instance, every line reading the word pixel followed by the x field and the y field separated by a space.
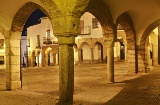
pixel 33 19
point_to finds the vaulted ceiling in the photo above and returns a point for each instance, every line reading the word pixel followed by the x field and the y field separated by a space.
pixel 142 12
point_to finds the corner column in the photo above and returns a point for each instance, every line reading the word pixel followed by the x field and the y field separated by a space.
pixel 80 56
pixel 110 61
pixel 13 67
pixel 92 55
pixel 155 54
pixel 66 70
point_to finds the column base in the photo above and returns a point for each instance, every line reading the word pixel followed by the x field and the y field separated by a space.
pixel 13 85
pixel 64 103
pixel 108 82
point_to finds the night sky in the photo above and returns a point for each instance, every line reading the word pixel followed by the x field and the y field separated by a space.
pixel 33 19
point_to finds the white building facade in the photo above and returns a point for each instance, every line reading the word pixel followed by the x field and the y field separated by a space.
pixel 90 46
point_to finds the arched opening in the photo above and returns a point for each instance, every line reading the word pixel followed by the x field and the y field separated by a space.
pixel 86 53
pixel 33 77
pixel 49 57
pixel 98 52
pixel 122 51
pixel 33 59
pixel 39 59
pixel 126 39
pixel 149 43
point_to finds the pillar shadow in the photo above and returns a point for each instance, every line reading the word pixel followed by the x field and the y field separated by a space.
pixel 143 90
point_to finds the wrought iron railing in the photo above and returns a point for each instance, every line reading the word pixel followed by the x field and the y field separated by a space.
pixel 49 40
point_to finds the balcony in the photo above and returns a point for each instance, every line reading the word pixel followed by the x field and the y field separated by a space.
pixel 49 40
pixel 86 30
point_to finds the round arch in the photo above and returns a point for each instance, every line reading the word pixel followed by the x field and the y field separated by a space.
pixel 98 52
pixel 126 22
pixel 23 14
pixel 100 10
pixel 48 56
pixel 81 45
pixel 39 58
pixel 33 58
pixel 149 29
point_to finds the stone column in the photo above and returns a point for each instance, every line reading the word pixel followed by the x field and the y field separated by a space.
pixel 136 59
pixel 155 54
pixel 92 55
pixel 66 70
pixel 46 59
pixel 13 69
pixel 38 60
pixel 110 61
pixel 148 66
pixel 54 59
pixel 80 55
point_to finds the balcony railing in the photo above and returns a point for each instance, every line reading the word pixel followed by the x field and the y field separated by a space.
pixel 49 40
pixel 86 30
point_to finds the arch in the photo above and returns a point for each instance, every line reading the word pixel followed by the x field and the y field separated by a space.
pixel 85 53
pixel 23 14
pixel 145 34
pixel 98 52
pixel 33 58
pixel 39 58
pixel 48 49
pixel 48 56
pixel 81 45
pixel 126 22
pixel 100 10
pixel 148 30
pixel 38 52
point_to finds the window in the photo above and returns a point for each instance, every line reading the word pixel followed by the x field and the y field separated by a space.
pixel 48 37
pixel 81 27
pixel 38 41
pixel 48 34
pixel 94 23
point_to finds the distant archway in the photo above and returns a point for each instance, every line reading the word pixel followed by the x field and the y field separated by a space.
pixel 48 56
pixel 98 52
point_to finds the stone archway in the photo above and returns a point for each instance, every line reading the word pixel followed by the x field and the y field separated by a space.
pixel 12 40
pixel 23 14
pixel 99 9
pixel 144 43
pixel 98 52
pixel 126 23
pixel 85 53
pixel 48 56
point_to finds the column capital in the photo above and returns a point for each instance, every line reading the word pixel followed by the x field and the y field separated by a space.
pixel 64 40
pixel 12 34
pixel 6 34
pixel 68 25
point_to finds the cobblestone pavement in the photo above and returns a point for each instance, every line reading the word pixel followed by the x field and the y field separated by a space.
pixel 40 86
